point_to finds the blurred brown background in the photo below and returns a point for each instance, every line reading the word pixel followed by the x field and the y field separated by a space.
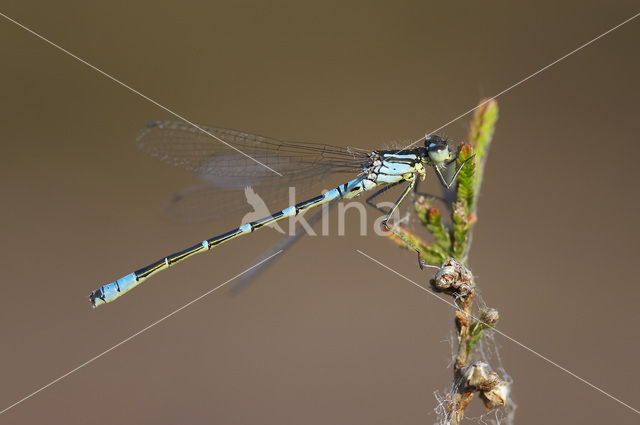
pixel 324 336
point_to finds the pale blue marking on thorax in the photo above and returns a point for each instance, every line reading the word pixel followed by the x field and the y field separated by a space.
pixel 395 168
pixel 392 168
pixel 398 164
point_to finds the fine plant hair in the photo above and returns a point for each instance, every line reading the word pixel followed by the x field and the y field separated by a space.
pixel 473 346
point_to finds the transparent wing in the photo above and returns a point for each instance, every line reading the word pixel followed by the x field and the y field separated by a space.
pixel 205 202
pixel 185 146
pixel 284 244
pixel 220 196
pixel 224 170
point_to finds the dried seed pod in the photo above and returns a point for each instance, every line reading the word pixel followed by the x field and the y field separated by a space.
pixel 490 316
pixel 495 397
pixel 479 376
pixel 454 279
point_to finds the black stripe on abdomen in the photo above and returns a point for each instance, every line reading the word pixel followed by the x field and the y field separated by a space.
pixel 261 222
pixel 308 203
pixel 223 237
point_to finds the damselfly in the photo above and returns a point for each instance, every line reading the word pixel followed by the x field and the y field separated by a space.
pixel 189 147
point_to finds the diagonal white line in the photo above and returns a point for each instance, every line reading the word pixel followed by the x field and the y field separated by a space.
pixel 532 351
pixel 527 78
pixel 114 79
pixel 135 334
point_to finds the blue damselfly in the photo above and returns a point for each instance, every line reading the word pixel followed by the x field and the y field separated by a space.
pixel 188 147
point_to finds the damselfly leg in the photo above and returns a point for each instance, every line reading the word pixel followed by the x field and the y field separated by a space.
pixel 391 229
pixel 438 170
pixel 377 193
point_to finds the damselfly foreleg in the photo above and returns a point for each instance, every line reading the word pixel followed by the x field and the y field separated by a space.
pixel 393 209
pixel 370 199
pixel 453 179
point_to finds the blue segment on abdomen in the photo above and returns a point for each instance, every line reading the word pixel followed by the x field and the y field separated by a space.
pixel 332 194
pixel 288 212
pixel 114 289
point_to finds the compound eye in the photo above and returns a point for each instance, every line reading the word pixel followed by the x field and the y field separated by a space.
pixel 433 140
pixel 435 143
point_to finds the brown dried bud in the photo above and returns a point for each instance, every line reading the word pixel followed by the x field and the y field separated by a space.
pixel 453 278
pixel 490 316
pixel 445 277
pixel 479 376
pixel 495 397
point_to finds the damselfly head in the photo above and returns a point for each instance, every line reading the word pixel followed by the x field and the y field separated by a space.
pixel 437 149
